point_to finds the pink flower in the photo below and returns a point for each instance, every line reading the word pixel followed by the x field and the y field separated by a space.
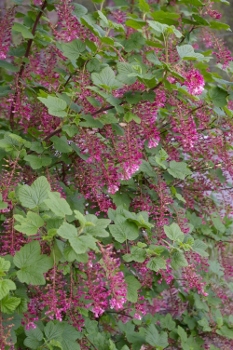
pixel 194 82
pixel 112 189
pixel 37 2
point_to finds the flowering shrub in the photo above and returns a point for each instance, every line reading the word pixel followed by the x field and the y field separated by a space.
pixel 116 177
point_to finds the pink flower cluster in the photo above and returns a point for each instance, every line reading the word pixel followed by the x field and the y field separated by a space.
pixel 98 293
pixel 115 278
pixel 194 82
pixel 223 55
pixel 5 39
pixel 193 280
pixel 37 2
pixel 130 169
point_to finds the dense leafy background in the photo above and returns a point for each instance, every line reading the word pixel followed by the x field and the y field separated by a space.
pixel 116 176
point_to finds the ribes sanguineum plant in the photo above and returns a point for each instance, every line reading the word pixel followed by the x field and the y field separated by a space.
pixel 115 176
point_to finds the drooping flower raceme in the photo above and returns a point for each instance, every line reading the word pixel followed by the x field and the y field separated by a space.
pixel 194 82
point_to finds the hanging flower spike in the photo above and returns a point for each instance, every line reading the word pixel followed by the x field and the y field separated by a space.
pixel 5 39
pixel 194 82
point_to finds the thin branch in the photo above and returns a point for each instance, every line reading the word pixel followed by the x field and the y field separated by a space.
pixel 55 132
pixel 68 79
pixel 189 32
pixel 23 64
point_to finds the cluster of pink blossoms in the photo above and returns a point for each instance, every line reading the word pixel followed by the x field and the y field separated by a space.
pixel 116 281
pixel 193 280
pixel 97 289
pixel 5 39
pixel 37 2
pixel 211 12
pixel 194 82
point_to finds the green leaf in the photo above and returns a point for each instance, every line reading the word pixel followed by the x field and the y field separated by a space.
pixel 5 90
pixel 61 144
pixel 20 28
pixel 96 227
pixel 200 21
pixel 8 66
pixel 105 79
pixel 133 97
pixel 183 335
pixel 112 346
pixel 129 116
pixel 140 219
pixel 125 69
pixel 79 10
pixel 179 170
pixel 151 57
pixel 34 195
pixel 72 49
pixel 32 264
pixel 156 264
pixel 200 304
pixel 161 158
pixel 93 65
pixel 29 224
pixel 55 343
pixel 204 324
pixel 81 218
pixel 146 168
pixel 143 6
pixel 168 323
pixel 178 260
pixel 103 18
pixel 34 338
pixel 194 220
pixel 3 205
pixel 132 287
pixel 5 286
pixel 108 118
pixel 225 332
pixel 137 254
pixel 124 231
pixel 63 333
pixel 58 205
pixel 219 25
pixel 200 248
pixel 166 17
pixel 218 223
pixel 56 106
pixel 162 28
pixel 187 52
pixel 88 21
pixel 4 266
pixel 174 232
pixel 90 122
pixel 8 304
pixel 125 347
pixel 180 198
pixel 37 147
pixel 216 268
pixel 71 130
pixel 134 42
pixel 37 162
pixel 70 255
pixel 218 96
pixel 155 339
pixel 135 23
pixel 13 142
pixel 80 244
